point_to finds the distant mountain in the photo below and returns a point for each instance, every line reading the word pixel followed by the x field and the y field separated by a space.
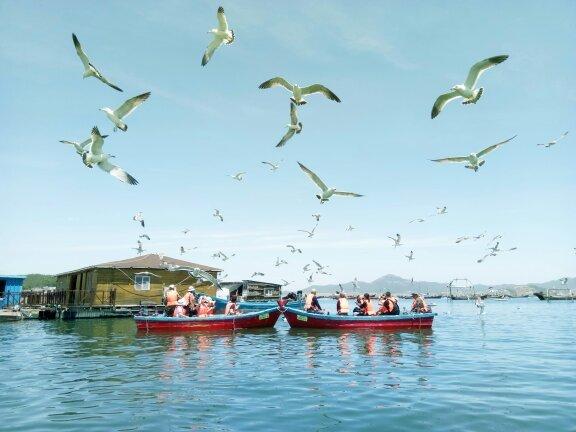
pixel 398 285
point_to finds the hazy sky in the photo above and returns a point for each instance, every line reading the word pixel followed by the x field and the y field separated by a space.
pixel 387 61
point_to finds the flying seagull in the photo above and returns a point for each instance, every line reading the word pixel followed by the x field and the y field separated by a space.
pixel 225 257
pixel 467 90
pixel 350 228
pixel 473 160
pixel 94 155
pixel 222 35
pixel 311 278
pixel 139 250
pixel 319 267
pixel 185 231
pixel 441 210
pixel 299 92
pixel 218 215
pixel 285 282
pixel 294 249
pixel 279 262
pixel 295 126
pixel 305 268
pixel 461 239
pixel 396 240
pixel 317 216
pixel 146 236
pixel 116 116
pixel 417 220
pixel 89 69
pixel 81 147
pixel 182 250
pixel 479 236
pixel 238 176
pixel 553 142
pixel 257 274
pixel 410 256
pixel 273 166
pixel 310 233
pixel 564 280
pixel 195 272
pixel 326 191
pixel 139 218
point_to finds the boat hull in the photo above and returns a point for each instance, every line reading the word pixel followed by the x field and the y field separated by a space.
pixel 257 306
pixel 300 319
pixel 258 319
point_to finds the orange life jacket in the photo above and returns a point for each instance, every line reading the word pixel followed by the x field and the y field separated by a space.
pixel 369 309
pixel 343 302
pixel 171 298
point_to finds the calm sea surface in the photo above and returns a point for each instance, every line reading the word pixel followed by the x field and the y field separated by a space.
pixel 511 369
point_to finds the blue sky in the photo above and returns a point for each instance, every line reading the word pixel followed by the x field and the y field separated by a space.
pixel 387 61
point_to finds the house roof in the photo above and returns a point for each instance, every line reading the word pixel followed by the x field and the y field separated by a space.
pixel 149 261
pixel 12 277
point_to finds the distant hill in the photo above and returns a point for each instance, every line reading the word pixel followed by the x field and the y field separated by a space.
pixel 38 281
pixel 398 285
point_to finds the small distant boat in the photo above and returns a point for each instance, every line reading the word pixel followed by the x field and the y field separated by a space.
pixel 556 294
pixel 412 321
pixel 257 319
pixel 251 306
pixel 10 315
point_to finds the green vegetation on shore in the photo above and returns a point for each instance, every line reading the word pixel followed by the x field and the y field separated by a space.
pixel 36 280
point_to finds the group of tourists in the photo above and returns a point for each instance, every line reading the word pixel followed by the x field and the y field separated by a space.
pixel 191 305
pixel 387 304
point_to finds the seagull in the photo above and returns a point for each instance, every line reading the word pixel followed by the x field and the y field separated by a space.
pixel 273 166
pixel 411 256
pixel 182 250
pixel 83 146
pixel 553 142
pixel 225 257
pixel 279 262
pixel 495 249
pixel 238 176
pixel 473 160
pixel 285 282
pixel 295 126
pixel 441 210
pixel 310 233
pixel 139 250
pixel 317 216
pixel 564 280
pixel 146 273
pixel 305 268
pixel 461 239
pixel 146 236
pixel 396 240
pixel 467 90
pixel 116 116
pixel 185 231
pixel 218 215
pixel 89 69
pixel 257 274
pixel 355 283
pixel 311 278
pixel 480 260
pixel 294 249
pixel 222 35
pixel 326 191
pixel 417 220
pixel 94 155
pixel 479 236
pixel 320 268
pixel 195 272
pixel 499 236
pixel 139 218
pixel 350 228
pixel 299 92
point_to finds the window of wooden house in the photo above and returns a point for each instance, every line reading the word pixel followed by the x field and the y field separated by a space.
pixel 269 292
pixel 142 283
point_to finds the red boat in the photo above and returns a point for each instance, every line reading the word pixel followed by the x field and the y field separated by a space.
pixel 298 318
pixel 258 319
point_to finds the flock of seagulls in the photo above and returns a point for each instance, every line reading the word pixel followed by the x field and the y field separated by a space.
pixel 91 149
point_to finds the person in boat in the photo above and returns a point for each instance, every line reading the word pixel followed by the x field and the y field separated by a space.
pixel 389 306
pixel 206 307
pixel 418 304
pixel 367 307
pixel 342 304
pixel 312 304
pixel 232 306
pixel 189 301
pixel 171 300
pixel 358 309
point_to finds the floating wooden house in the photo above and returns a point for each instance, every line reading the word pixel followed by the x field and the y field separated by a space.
pixel 10 290
pixel 124 285
pixel 249 290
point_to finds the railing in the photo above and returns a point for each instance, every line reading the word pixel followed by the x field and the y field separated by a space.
pixel 9 299
pixel 55 298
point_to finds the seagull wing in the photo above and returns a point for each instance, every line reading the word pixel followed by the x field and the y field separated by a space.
pixel 294 114
pixel 222 23
pixel 216 42
pixel 117 172
pixel 289 134
pixel 352 194
pixel 80 52
pixel 130 105
pixel 442 101
pixel 454 159
pixel 304 231
pixel 105 81
pixel 96 142
pixel 494 147
pixel 313 177
pixel 275 82
pixel 480 67
pixel 79 147
pixel 319 88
